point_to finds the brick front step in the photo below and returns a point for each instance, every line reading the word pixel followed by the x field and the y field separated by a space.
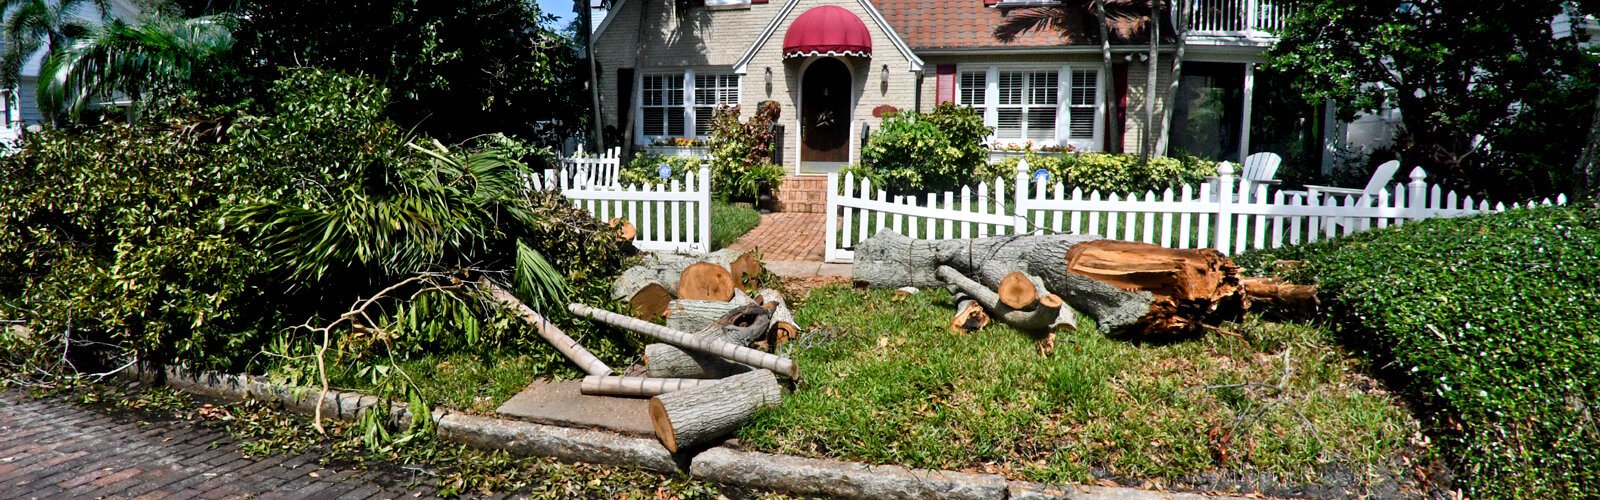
pixel 803 194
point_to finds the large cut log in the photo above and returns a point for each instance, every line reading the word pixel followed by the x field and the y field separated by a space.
pixel 564 344
pixel 726 350
pixel 741 326
pixel 1040 317
pixel 698 415
pixel 705 281
pixel 696 315
pixel 650 302
pixel 784 329
pixel 657 276
pixel 597 385
pixel 669 361
pixel 890 260
pixel 970 316
pixel 1188 287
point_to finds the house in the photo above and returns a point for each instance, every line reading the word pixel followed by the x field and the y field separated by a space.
pixel 835 66
pixel 20 105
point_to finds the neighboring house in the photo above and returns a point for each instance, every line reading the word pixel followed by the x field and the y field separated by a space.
pixel 835 65
pixel 21 104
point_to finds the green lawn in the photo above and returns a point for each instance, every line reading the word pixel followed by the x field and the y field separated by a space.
pixel 729 222
pixel 886 382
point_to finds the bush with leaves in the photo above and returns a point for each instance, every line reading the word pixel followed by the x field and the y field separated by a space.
pixel 644 169
pixel 921 152
pixel 1490 325
pixel 741 153
pixel 1110 173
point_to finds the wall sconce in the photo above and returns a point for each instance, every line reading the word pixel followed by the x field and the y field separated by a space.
pixel 886 75
pixel 769 75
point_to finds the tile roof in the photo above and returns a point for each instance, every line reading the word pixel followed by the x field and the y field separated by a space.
pixel 949 24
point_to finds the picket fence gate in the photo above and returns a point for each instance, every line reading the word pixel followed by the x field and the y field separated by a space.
pixel 670 217
pixel 1248 216
pixel 604 169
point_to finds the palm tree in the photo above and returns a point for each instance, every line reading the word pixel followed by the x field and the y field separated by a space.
pixel 34 25
pixel 153 57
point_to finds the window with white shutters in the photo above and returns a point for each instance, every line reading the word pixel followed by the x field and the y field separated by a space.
pixel 710 92
pixel 1027 105
pixel 1082 105
pixel 661 107
pixel 974 90
pixel 1042 105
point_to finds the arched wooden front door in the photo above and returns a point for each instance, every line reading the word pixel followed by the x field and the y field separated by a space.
pixel 825 114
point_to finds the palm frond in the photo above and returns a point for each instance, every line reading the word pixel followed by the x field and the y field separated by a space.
pixel 119 57
pixel 538 282
pixel 1023 21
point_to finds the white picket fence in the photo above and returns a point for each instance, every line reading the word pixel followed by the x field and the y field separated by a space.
pixel 603 169
pixel 1249 216
pixel 670 217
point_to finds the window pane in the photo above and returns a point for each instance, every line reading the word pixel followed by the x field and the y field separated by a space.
pixel 1083 86
pixel 654 121
pixel 1010 87
pixel 1082 123
pixel 1042 87
pixel 974 88
pixel 675 121
pixel 1042 124
pixel 1010 124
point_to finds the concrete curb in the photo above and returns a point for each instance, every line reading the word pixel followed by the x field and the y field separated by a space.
pixel 780 473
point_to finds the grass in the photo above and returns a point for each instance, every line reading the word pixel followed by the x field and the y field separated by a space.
pixel 729 222
pixel 887 383
pixel 460 381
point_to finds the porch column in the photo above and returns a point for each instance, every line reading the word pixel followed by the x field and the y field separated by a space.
pixel 1244 125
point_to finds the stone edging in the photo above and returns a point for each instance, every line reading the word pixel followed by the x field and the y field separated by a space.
pixel 780 473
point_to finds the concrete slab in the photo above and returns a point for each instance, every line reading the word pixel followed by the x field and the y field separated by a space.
pixel 560 403
pixel 844 270
pixel 793 268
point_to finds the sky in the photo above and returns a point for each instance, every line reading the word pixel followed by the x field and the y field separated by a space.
pixel 562 9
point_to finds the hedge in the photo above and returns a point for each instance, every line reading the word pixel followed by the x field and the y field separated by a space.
pixel 1492 324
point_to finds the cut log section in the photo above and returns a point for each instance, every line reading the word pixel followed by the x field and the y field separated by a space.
pixel 669 361
pixel 1017 291
pixel 970 316
pixel 698 415
pixel 746 270
pixel 726 350
pixel 1039 318
pixel 783 328
pixel 696 315
pixel 564 344
pixel 625 230
pixel 597 385
pixel 650 302
pixel 705 281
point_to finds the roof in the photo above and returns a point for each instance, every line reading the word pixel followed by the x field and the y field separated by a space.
pixel 827 30
pixel 967 24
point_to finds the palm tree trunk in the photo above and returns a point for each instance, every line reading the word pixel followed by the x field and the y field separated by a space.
pixel 587 16
pixel 1589 161
pixel 1180 25
pixel 1107 80
pixel 1145 144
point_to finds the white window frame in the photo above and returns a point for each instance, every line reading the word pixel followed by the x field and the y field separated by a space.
pixel 1062 136
pixel 688 107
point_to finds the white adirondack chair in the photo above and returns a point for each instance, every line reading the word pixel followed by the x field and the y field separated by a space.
pixel 1258 168
pixel 1380 179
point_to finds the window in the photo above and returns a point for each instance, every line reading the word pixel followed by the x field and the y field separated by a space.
pixel 661 105
pixel 682 104
pixel 1027 105
pixel 710 92
pixel 974 88
pixel 1047 106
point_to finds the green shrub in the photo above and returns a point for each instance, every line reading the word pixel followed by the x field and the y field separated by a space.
pixel 741 153
pixel 915 152
pixel 1110 173
pixel 1493 324
pixel 645 169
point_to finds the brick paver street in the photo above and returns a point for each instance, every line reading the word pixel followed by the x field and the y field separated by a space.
pixel 785 236
pixel 54 449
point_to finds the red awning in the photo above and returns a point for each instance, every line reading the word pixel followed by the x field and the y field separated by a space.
pixel 827 31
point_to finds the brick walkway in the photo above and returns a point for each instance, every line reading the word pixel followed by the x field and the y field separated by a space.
pixel 785 236
pixel 51 448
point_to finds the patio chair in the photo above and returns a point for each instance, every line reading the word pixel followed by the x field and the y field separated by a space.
pixel 1259 168
pixel 1380 179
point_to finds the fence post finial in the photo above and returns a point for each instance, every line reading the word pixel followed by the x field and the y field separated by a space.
pixel 1417 198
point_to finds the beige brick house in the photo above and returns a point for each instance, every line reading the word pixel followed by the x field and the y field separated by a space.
pixel 834 67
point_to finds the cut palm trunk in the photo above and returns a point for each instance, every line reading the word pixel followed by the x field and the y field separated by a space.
pixel 1039 317
pixel 784 329
pixel 701 414
pixel 563 343
pixel 597 385
pixel 726 350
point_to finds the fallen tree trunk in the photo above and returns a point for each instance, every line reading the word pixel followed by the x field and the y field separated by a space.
pixel 697 415
pixel 1038 318
pixel 726 350
pixel 669 361
pixel 890 260
pixel 696 315
pixel 597 385
pixel 649 285
pixel 783 329
pixel 564 344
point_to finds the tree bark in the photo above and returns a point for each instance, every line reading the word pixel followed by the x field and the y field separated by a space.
pixel 720 348
pixel 970 316
pixel 564 344
pixel 1108 79
pixel 596 385
pixel 783 329
pixel 1146 144
pixel 1180 30
pixel 1039 318
pixel 890 260
pixel 697 415
pixel 1281 298
pixel 696 315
